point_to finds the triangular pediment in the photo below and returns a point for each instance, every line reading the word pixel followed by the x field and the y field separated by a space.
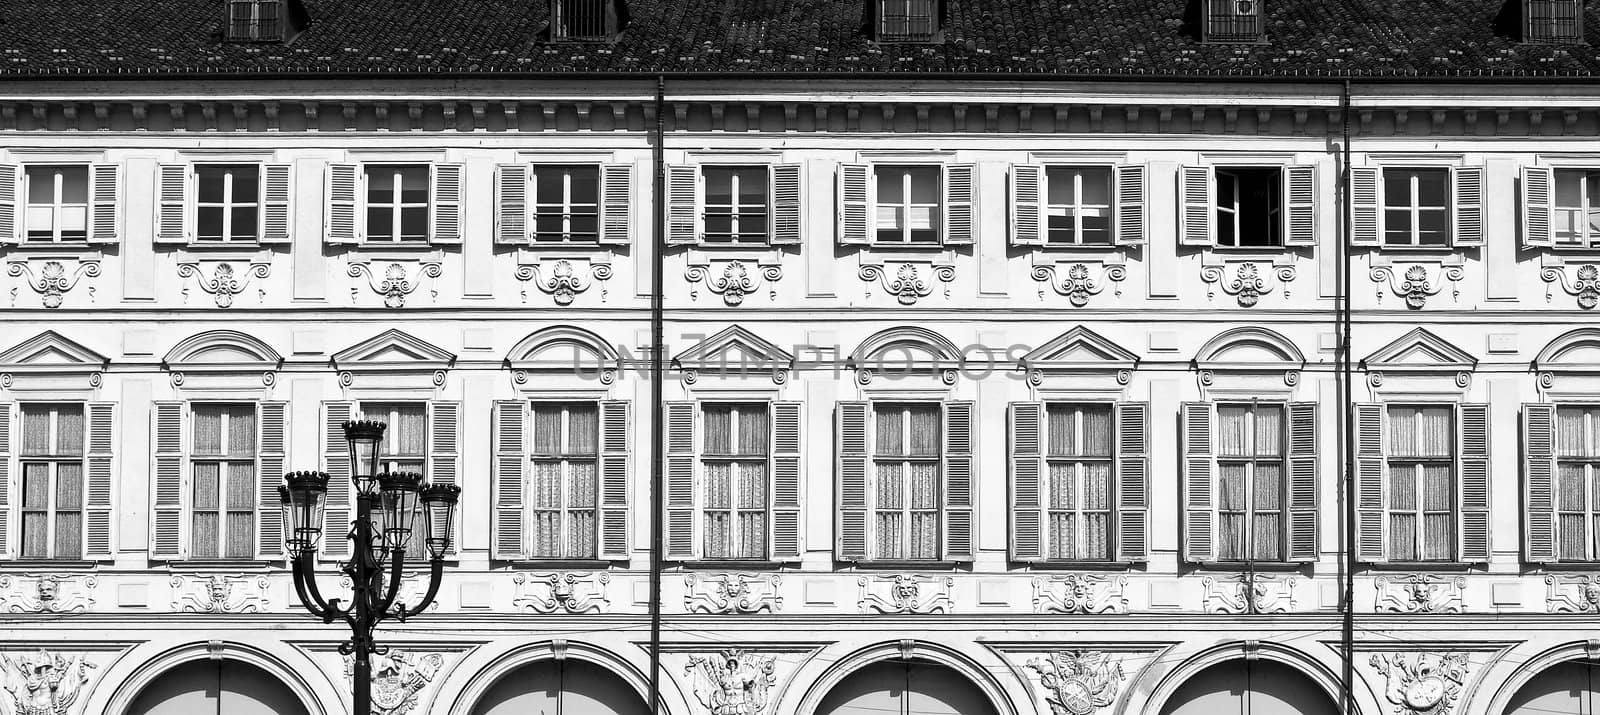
pixel 390 350
pixel 1080 348
pixel 1420 351
pixel 732 349
pixel 50 351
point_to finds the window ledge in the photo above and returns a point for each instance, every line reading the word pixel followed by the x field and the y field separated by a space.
pixel 20 564
pixel 906 564
pixel 734 564
pixel 1259 566
pixel 1560 566
pixel 1413 250
pixel 76 247
pixel 224 564
pixel 1077 565
pixel 406 247
pixel 1259 253
pixel 1450 566
pixel 555 563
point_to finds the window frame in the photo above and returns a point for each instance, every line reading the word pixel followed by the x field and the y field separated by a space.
pixel 1080 480
pixel 1241 27
pixel 561 25
pixel 565 458
pixel 735 208
pixel 1542 29
pixel 907 19
pixel 1419 463
pixel 397 207
pixel 906 205
pixel 52 462
pixel 1591 472
pixel 255 24
pixel 1588 208
pixel 223 460
pixel 906 461
pixel 567 205
pixel 733 511
pixel 1414 208
pixel 1251 460
pixel 57 206
pixel 1276 212
pixel 1075 210
pixel 228 205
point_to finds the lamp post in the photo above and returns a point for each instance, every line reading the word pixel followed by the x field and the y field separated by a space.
pixel 389 507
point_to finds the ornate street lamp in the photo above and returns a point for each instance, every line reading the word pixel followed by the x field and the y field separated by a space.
pixel 390 509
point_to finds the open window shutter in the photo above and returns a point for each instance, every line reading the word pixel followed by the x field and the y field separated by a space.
pixel 172 182
pixel 97 491
pixel 1300 206
pixel 1366 215
pixel 1538 483
pixel 336 462
pixel 616 200
pixel 1027 205
pixel 1130 187
pixel 616 434
pixel 959 191
pixel 10 180
pixel 271 433
pixel 1133 481
pixel 275 192
pixel 1473 466
pixel 446 203
pixel 342 203
pixel 786 187
pixel 683 198
pixel 166 508
pixel 1199 472
pixel 785 481
pixel 444 446
pixel 7 550
pixel 105 181
pixel 1537 189
pixel 1370 546
pixel 1197 194
pixel 1468 184
pixel 850 434
pixel 1026 430
pixel 680 480
pixel 855 205
pixel 511 204
pixel 510 465
pixel 1302 482
pixel 958 463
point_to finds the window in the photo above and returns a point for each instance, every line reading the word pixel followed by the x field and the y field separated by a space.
pixel 564 480
pixel 1078 454
pixel 566 204
pixel 1577 207
pixel 1421 503
pixel 1249 207
pixel 52 462
pixel 903 20
pixel 1552 21
pixel 735 457
pixel 1232 20
pixel 58 203
pixel 583 19
pixel 1577 497
pixel 397 202
pixel 736 204
pixel 905 488
pixel 1078 205
pixel 908 204
pixel 228 202
pixel 405 439
pixel 1250 461
pixel 223 459
pixel 255 20
pixel 1416 207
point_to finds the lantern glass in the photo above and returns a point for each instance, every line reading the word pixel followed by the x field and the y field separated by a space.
pixel 439 513
pixel 365 439
pixel 399 494
pixel 303 502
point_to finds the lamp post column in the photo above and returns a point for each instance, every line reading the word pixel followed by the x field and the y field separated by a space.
pixel 362 579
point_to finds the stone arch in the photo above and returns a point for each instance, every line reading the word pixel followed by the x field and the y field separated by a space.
pixel 1573 350
pixel 1317 672
pixel 149 670
pixel 537 349
pixel 222 348
pixel 913 340
pixel 1533 667
pixel 1249 346
pixel 480 681
pixel 967 667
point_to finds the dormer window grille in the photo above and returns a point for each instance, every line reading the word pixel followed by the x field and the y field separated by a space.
pixel 256 20
pixel 1552 21
pixel 584 19
pixel 1232 20
pixel 907 20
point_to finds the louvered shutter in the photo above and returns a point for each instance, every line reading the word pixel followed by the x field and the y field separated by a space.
pixel 7 487
pixel 1027 205
pixel 1199 473
pixel 97 485
pixel 850 435
pixel 1537 190
pixel 275 192
pixel 680 480
pixel 104 185
pixel 855 204
pixel 272 436
pixel 958 463
pixel 786 418
pixel 341 190
pixel 786 187
pixel 172 183
pixel 1197 197
pixel 336 462
pixel 1366 213
pixel 510 467
pixel 444 446
pixel 10 230
pixel 616 200
pixel 1302 482
pixel 959 196
pixel 1025 425
pixel 1130 188
pixel 683 205
pixel 511 204
pixel 166 507
pixel 1538 483
pixel 446 204
pixel 1468 184
pixel 1300 206
pixel 1133 481
pixel 1472 463
pixel 1370 545
pixel 616 436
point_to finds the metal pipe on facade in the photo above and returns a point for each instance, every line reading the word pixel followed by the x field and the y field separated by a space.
pixel 1342 381
pixel 657 370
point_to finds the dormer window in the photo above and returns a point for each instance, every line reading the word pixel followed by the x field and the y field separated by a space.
pixel 907 20
pixel 585 19
pixel 1232 20
pixel 261 21
pixel 1552 21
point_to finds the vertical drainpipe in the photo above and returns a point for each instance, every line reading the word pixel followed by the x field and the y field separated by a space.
pixel 657 372
pixel 1342 379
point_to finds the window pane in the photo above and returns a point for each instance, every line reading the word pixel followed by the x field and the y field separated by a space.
pixel 1433 228
pixel 380 184
pixel 546 484
pixel 718 428
pixel 1571 488
pixel 1061 423
pixel 380 222
pixel 69 535
pixel 1569 188
pixel 1437 495
pixel 414 222
pixel 924 184
pixel 36 429
pixel 69 429
pixel 245 188
pixel 1431 187
pixel 207 476
pixel 581 492
pixel 241 486
pixel 414 184
pixel 1096 187
pixel 1097 485
pixel 244 222
pixel 241 535
pixel 891 185
pixel 1434 428
pixel 1570 432
pixel 719 485
pixel 890 422
pixel 1097 431
pixel 210 184
pixel 35 485
pixel 209 222
pixel 584 424
pixel 1440 537
pixel 204 538
pixel 1063 486
pixel 41 184
pixel 924 430
pixel 69 485
pixel 1233 430
pixel 718 186
pixel 1231 487
pixel 241 430
pixel 753 430
pixel 1396 187
pixel 585 184
pixel 1268 486
pixel 1403 487
pixel 547 429
pixel 549 186
pixel 1269 430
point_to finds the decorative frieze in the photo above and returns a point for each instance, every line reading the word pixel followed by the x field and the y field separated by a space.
pixel 905 593
pixel 735 681
pixel 399 279
pixel 1581 281
pixel 217 593
pixel 1423 683
pixel 225 281
pixel 1416 282
pixel 561 278
pixel 561 592
pixel 1419 593
pixel 52 279
pixel 1078 682
pixel 733 279
pixel 732 593
pixel 908 281
pixel 1249 593
pixel 397 679
pixel 47 593
pixel 1247 281
pixel 1080 593
pixel 44 683
pixel 1572 593
pixel 1079 280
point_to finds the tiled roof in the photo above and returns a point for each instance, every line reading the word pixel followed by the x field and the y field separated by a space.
pixel 1148 38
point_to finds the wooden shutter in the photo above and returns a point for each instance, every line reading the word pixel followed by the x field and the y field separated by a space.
pixel 616 436
pixel 959 191
pixel 1302 482
pixel 1467 182
pixel 1133 481
pixel 446 203
pixel 1300 205
pixel 172 183
pixel 958 463
pixel 336 462
pixel 1025 426
pixel 786 188
pixel 616 200
pixel 511 204
pixel 1537 190
pixel 855 204
pixel 1366 213
pixel 10 226
pixel 683 205
pixel 444 446
pixel 97 485
pixel 271 451
pixel 166 507
pixel 1197 198
pixel 1130 209
pixel 786 420
pixel 680 480
pixel 1538 483
pixel 1027 205
pixel 275 192
pixel 1472 464
pixel 341 189
pixel 1370 472
pixel 510 466
pixel 7 487
pixel 104 185
pixel 1199 472
pixel 850 435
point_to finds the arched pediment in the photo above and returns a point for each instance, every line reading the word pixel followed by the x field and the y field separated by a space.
pixel 393 350
pixel 733 349
pixel 1249 348
pixel 562 347
pixel 49 351
pixel 1420 351
pixel 1080 349
pixel 1574 351
pixel 906 344
pixel 222 350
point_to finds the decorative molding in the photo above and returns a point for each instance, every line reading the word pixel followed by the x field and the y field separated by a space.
pixel 1423 683
pixel 53 281
pixel 1414 283
pixel 216 593
pixel 1419 593
pixel 1572 594
pixel 1077 350
pixel 908 284
pixel 396 283
pixel 393 350
pixel 1583 282
pixel 1246 281
pixel 734 352
pixel 562 278
pixel 732 593
pixel 1078 282
pixel 412 589
pixel 1078 682
pixel 47 593
pixel 397 677
pixel 44 683
pixel 223 284
pixel 905 593
pixel 733 279
pixel 1080 593
pixel 561 592
pixel 1250 593
pixel 734 681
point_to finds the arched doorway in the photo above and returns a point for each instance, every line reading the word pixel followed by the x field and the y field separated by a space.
pixel 1572 688
pixel 1249 687
pixel 908 687
pixel 561 687
pixel 217 687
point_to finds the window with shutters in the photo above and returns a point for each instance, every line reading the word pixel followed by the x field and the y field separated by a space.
pixel 1249 207
pixel 51 457
pixel 227 202
pixel 566 203
pixel 256 20
pixel 1552 21
pixel 735 459
pixel 1577 484
pixel 1576 207
pixel 397 202
pixel 908 204
pixel 735 203
pixel 1250 481
pixel 1232 20
pixel 404 445
pixel 579 20
pixel 1421 501
pixel 564 480
pixel 1416 207
pixel 57 203
pixel 1078 503
pixel 223 473
pixel 904 488
pixel 907 20
pixel 1078 206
